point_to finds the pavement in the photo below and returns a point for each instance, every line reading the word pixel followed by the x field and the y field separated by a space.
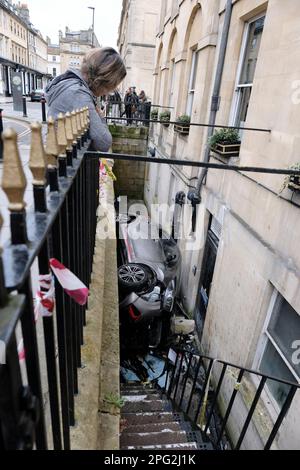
pixel 4 100
pixel 34 111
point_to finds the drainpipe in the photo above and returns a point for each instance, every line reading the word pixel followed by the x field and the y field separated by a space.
pixel 217 86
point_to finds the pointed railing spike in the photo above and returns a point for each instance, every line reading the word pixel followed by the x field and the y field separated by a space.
pixel 61 135
pixel 78 122
pixel 13 178
pixel 81 114
pixel 74 126
pixel 84 117
pixel 37 162
pixel 52 150
pixel 62 145
pixel 69 130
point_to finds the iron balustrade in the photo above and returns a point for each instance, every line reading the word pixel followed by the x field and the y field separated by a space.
pixel 62 225
pixel 198 370
pixel 147 121
pixel 135 113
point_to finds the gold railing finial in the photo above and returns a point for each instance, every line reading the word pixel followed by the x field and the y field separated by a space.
pixel 78 120
pixel 37 162
pixel 13 179
pixel 84 117
pixel 81 114
pixel 69 130
pixel 74 126
pixel 52 149
pixel 61 134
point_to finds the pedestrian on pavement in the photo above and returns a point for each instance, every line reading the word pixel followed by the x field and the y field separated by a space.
pixel 128 106
pixel 116 104
pixel 131 104
pixel 142 104
pixel 101 72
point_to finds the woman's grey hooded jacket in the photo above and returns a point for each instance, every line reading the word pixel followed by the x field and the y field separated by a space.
pixel 69 92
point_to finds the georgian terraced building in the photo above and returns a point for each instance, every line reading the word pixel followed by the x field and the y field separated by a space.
pixel 237 63
pixel 22 48
pixel 73 47
pixel 136 42
pixel 13 44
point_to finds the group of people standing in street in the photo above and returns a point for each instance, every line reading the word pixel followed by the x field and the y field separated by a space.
pixel 135 106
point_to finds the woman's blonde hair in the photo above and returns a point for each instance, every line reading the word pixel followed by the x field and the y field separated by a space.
pixel 103 69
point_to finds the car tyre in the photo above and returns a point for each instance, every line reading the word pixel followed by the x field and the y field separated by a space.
pixel 132 276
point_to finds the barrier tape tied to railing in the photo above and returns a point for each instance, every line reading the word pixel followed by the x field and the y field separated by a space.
pixel 104 167
pixel 45 297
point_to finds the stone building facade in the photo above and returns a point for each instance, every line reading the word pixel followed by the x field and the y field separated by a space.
pixel 241 282
pixel 73 47
pixel 54 65
pixel 136 42
pixel 22 48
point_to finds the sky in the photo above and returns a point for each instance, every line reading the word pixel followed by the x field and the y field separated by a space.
pixel 49 16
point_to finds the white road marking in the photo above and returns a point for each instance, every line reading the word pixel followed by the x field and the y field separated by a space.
pixel 22 133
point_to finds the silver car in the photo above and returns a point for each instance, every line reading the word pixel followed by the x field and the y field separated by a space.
pixel 148 275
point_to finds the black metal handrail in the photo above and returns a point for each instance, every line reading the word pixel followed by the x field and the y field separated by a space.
pixel 190 124
pixel 179 372
pixel 61 225
pixel 192 163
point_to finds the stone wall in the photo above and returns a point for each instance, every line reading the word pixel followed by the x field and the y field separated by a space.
pixel 130 175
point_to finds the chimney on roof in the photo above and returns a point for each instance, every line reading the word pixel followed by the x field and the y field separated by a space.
pixel 23 10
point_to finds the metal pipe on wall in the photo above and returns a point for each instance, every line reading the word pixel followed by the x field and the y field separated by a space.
pixel 217 87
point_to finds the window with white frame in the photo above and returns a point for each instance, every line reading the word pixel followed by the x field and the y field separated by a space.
pixel 172 84
pixel 246 70
pixel 279 352
pixel 75 48
pixel 192 83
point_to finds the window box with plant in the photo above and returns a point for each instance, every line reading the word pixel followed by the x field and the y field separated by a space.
pixel 182 125
pixel 226 142
pixel 154 114
pixel 292 182
pixel 165 118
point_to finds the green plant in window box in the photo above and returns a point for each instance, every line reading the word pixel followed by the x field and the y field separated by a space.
pixel 183 124
pixel 165 117
pixel 292 182
pixel 226 142
pixel 154 114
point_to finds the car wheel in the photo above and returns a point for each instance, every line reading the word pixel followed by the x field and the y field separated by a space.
pixel 132 276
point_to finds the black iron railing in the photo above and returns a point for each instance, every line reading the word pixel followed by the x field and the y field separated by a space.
pixel 61 225
pixel 137 113
pixel 195 383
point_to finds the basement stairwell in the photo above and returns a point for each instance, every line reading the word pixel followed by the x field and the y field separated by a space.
pixel 148 421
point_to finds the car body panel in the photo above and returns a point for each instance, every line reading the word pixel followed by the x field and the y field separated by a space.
pixel 144 243
pixel 37 95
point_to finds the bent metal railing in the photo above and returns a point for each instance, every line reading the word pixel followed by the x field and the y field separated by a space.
pixel 195 383
pixel 61 224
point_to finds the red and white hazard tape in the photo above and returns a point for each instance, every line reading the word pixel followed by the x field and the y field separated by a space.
pixel 45 297
pixel 44 305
